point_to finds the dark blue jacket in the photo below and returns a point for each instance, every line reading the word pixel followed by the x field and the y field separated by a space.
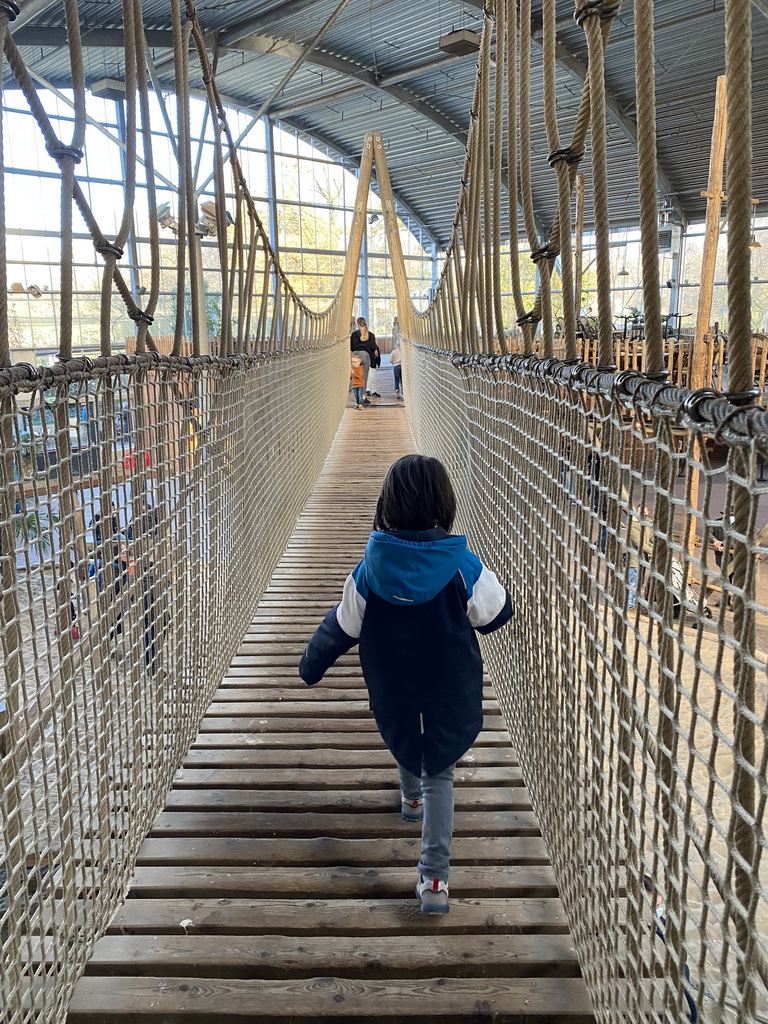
pixel 413 603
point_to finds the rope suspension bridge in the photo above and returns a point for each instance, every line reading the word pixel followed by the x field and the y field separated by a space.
pixel 637 712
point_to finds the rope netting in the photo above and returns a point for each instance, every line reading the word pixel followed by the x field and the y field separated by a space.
pixel 144 502
pixel 627 514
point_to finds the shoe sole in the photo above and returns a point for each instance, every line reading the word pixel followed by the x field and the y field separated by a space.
pixel 426 909
pixel 412 817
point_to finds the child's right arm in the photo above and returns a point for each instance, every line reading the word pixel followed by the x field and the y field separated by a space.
pixel 338 632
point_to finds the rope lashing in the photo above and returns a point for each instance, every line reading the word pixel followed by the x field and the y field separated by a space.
pixel 61 152
pixel 141 316
pixel 606 10
pixel 529 318
pixel 566 155
pixel 545 252
pixel 106 248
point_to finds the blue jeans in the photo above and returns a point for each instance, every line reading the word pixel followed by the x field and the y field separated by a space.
pixel 632 574
pixel 398 372
pixel 358 393
pixel 437 827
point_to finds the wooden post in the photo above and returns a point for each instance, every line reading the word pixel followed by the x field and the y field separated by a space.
pixel 402 291
pixel 355 241
pixel 700 371
pixel 579 248
pixel 714 196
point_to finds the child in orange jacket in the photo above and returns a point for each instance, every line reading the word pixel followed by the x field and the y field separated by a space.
pixel 357 380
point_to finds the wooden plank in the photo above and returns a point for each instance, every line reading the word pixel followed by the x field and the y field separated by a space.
pixel 351 739
pixel 177 1000
pixel 328 779
pixel 502 955
pixel 282 689
pixel 335 917
pixel 265 709
pixel 325 850
pixel 324 758
pixel 360 824
pixel 335 882
pixel 319 708
pixel 340 801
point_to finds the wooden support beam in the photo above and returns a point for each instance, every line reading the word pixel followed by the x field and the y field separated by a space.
pixel 714 196
pixel 579 248
pixel 356 232
pixel 700 369
pixel 402 291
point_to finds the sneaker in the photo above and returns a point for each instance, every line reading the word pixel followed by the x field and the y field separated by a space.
pixel 375 394
pixel 366 401
pixel 367 394
pixel 432 894
pixel 359 408
pixel 411 810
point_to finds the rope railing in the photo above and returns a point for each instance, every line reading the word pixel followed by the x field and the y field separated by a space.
pixel 627 514
pixel 622 679
pixel 144 502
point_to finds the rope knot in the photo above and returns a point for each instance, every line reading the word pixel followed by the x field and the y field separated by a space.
pixel 566 155
pixel 10 8
pixel 546 252
pixel 140 316
pixel 529 318
pixel 108 249
pixel 603 9
pixel 60 151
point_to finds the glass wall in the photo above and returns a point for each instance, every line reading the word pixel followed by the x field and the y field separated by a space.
pixel 313 199
pixel 690 275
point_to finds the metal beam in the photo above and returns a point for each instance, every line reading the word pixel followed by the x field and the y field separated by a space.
pixel 261 21
pixel 30 10
pixel 102 38
pixel 351 90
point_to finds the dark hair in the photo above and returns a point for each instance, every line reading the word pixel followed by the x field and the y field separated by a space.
pixel 416 495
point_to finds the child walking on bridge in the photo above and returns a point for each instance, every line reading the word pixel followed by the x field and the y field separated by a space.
pixel 413 604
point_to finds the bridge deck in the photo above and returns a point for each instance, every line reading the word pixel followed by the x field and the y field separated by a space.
pixel 277 885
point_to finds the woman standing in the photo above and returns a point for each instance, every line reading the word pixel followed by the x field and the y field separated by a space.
pixel 363 342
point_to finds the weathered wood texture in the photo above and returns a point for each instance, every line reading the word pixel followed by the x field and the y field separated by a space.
pixel 277 884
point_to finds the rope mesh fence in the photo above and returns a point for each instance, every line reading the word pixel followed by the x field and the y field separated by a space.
pixel 627 515
pixel 135 548
pixel 634 679
pixel 144 502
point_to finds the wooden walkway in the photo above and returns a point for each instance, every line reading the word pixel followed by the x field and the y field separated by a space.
pixel 277 885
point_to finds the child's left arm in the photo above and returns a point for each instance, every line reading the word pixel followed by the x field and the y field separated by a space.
pixel 338 632
pixel 489 604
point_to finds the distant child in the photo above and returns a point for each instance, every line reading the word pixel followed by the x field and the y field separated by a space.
pixel 357 381
pixel 413 604
pixel 396 361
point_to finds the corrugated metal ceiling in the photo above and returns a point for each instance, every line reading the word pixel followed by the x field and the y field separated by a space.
pixel 342 90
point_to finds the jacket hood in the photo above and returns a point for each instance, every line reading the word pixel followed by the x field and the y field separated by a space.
pixel 412 567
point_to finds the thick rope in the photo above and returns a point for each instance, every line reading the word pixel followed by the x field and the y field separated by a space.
pixel 738 42
pixel 512 174
pixel 647 171
pixel 498 151
pixel 5 341
pixel 589 14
